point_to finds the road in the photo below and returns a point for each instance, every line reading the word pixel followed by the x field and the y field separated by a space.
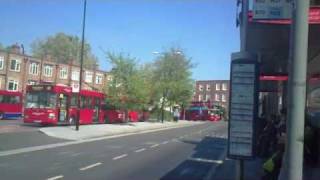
pixel 182 153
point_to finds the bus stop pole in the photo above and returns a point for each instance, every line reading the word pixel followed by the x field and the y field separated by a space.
pixel 297 88
pixel 243 48
pixel 81 64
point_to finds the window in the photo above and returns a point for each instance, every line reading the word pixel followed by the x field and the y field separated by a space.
pixel 217 87
pixel 31 82
pixel 89 76
pixel 208 97
pixel 223 98
pixel 200 87
pixel 217 97
pixel 224 86
pixel 33 68
pixel 1 62
pixel 99 78
pixel 63 73
pixel 48 69
pixel 13 85
pixel 200 97
pixel 208 87
pixel 75 75
pixel 15 65
pixel 9 99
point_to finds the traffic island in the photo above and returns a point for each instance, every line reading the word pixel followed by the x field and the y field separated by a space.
pixel 102 130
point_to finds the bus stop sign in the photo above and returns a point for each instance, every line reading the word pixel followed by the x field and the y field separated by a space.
pixel 243 104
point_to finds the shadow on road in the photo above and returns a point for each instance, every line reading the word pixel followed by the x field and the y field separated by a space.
pixel 206 154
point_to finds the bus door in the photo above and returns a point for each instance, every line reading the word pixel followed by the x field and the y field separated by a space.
pixel 63 107
pixel 96 109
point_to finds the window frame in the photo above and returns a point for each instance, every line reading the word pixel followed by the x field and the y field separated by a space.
pixel 86 73
pixel 1 62
pixel 98 75
pixel 73 75
pixel 48 68
pixel 17 66
pixel 63 71
pixel 15 84
pixel 34 68
pixel 224 87
pixel 218 87
pixel 217 97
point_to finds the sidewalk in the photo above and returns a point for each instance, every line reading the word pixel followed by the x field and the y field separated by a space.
pixel 227 170
pixel 99 130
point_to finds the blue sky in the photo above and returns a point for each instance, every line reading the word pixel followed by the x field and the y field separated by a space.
pixel 205 29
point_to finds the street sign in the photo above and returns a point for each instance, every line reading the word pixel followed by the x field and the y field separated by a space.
pixel 272 9
pixel 243 105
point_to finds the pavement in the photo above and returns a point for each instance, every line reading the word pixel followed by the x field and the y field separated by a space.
pixel 187 152
pixel 100 130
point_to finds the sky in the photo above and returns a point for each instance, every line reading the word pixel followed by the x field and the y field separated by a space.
pixel 204 29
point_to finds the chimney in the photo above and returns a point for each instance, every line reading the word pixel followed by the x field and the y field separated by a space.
pixel 16 48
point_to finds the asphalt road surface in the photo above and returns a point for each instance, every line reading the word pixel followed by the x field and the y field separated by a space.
pixel 182 153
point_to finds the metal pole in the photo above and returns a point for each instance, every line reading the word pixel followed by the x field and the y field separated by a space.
pixel 243 48
pixel 297 89
pixel 81 63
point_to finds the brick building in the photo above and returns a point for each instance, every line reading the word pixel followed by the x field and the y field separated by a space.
pixel 215 91
pixel 18 70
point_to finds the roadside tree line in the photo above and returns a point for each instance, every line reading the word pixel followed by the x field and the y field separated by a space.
pixel 157 86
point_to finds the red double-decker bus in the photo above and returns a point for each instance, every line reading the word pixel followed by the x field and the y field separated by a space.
pixel 56 104
pixel 90 107
pixel 10 104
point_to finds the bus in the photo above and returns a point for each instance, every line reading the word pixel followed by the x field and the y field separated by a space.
pixel 10 104
pixel 196 113
pixel 90 107
pixel 57 105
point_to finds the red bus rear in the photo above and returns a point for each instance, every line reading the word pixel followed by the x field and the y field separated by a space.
pixel 10 104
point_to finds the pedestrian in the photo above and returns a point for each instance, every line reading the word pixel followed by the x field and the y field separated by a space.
pixel 176 114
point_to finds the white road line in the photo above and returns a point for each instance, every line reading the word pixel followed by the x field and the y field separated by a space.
pixel 155 145
pixel 119 157
pixel 140 150
pixel 90 166
pixel 55 177
pixel 165 142
pixel 80 141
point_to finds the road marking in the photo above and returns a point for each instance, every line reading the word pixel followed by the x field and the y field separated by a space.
pixel 140 150
pixel 55 177
pixel 56 145
pixel 206 160
pixel 119 157
pixel 90 166
pixel 155 145
pixel 165 142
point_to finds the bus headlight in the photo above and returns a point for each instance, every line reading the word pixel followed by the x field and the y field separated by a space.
pixel 52 115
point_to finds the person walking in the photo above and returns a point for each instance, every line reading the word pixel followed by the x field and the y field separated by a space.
pixel 176 114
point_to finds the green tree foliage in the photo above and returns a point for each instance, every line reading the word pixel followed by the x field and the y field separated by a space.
pixel 173 84
pixel 129 88
pixel 63 48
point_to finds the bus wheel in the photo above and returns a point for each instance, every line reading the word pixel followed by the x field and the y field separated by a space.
pixel 72 120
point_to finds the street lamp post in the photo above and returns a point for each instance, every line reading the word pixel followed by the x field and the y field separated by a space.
pixel 81 63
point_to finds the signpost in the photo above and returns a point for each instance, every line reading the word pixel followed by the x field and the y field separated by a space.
pixel 243 105
pixel 272 9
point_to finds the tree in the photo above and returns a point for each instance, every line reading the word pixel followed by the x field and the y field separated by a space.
pixel 63 48
pixel 172 79
pixel 128 88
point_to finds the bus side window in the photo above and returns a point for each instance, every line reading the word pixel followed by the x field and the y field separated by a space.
pixel 2 99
